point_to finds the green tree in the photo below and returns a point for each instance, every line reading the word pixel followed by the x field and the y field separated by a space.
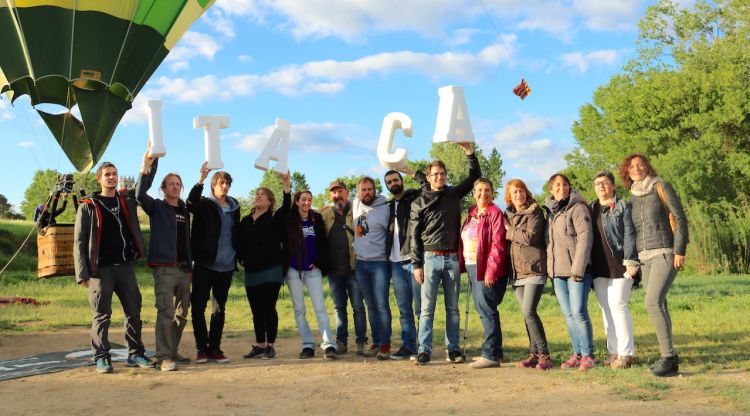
pixel 299 182
pixel 683 102
pixel 455 161
pixel 6 210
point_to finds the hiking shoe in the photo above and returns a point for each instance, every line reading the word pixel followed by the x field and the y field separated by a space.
pixel 218 357
pixel 423 358
pixel 201 358
pixel 372 351
pixel 610 359
pixel 179 359
pixel 330 353
pixel 269 352
pixel 402 354
pixel 255 352
pixel 384 353
pixel 341 347
pixel 544 362
pixel 667 367
pixel 140 360
pixel 623 361
pixel 307 353
pixel 103 365
pixel 455 357
pixel 587 363
pixel 483 362
pixel 573 362
pixel 168 364
pixel 361 349
pixel 529 362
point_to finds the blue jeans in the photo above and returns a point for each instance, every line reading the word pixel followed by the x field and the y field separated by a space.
pixel 375 283
pixel 408 292
pixel 486 301
pixel 440 268
pixel 296 281
pixel 345 287
pixel 573 298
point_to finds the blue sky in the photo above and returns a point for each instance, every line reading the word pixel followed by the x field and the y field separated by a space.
pixel 335 68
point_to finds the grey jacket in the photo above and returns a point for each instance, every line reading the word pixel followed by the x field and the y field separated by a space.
pixel 651 220
pixel 569 237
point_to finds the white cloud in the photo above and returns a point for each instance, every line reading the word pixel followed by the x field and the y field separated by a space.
pixel 5 112
pixel 26 144
pixel 307 138
pixel 610 15
pixel 245 58
pixel 191 46
pixel 528 151
pixel 330 76
pixel 462 37
pixel 581 62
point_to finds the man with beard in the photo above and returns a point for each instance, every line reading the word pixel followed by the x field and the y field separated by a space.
pixel 341 277
pixel 370 215
pixel 406 289
pixel 434 226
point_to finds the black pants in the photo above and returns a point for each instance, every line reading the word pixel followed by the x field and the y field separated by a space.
pixel 204 281
pixel 262 299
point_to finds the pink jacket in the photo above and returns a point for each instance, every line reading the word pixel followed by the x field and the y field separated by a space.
pixel 491 250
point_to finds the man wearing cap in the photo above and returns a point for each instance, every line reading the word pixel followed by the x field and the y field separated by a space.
pixel 342 281
pixel 434 225
pixel 107 238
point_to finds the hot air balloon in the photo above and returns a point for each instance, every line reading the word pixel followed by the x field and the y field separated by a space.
pixel 96 54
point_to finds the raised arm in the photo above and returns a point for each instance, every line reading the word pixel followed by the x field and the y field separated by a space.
pixel 145 180
pixel 475 171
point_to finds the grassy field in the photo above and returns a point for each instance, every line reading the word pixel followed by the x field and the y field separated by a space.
pixel 708 312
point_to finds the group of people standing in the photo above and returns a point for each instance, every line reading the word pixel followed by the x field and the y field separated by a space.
pixel 417 240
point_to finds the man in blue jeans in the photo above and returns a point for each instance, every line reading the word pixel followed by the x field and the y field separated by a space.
pixel 342 280
pixel 406 289
pixel 370 215
pixel 434 226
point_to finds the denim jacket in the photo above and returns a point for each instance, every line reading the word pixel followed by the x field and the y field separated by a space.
pixel 619 230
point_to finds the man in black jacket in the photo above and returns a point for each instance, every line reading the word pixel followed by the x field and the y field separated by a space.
pixel 434 226
pixel 397 243
pixel 169 258
pixel 214 246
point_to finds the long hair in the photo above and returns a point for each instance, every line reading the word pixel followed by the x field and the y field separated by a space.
pixel 164 182
pixel 625 166
pixel 271 199
pixel 294 226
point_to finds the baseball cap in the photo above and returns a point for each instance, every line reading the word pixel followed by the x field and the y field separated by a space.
pixel 336 184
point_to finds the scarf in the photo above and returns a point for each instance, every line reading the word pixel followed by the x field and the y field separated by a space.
pixel 644 187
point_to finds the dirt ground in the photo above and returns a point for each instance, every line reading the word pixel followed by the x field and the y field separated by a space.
pixel 287 385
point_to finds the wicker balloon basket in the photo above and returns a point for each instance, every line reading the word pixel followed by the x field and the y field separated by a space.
pixel 55 251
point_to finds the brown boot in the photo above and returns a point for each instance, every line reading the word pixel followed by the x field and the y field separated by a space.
pixel 623 361
pixel 610 359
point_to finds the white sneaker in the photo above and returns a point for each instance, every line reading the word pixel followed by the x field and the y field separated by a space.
pixel 482 362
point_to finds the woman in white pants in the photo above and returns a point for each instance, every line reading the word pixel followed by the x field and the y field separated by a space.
pixel 307 248
pixel 614 265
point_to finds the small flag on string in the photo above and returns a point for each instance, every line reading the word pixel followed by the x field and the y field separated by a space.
pixel 522 89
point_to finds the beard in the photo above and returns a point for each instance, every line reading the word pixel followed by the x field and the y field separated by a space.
pixel 396 189
pixel 340 204
pixel 368 199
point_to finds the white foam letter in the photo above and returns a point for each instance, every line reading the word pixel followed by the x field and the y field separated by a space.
pixel 212 138
pixel 393 159
pixel 155 135
pixel 276 149
pixel 452 124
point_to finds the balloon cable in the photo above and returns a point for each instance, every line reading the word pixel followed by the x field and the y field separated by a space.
pixel 492 21
pixel 2 272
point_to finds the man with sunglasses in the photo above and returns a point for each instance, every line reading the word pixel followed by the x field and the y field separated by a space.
pixel 434 226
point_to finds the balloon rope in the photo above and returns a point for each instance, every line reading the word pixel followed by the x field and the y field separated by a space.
pixel 2 272
pixel 492 21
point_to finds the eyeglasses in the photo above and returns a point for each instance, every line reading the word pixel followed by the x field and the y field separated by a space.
pixel 604 182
